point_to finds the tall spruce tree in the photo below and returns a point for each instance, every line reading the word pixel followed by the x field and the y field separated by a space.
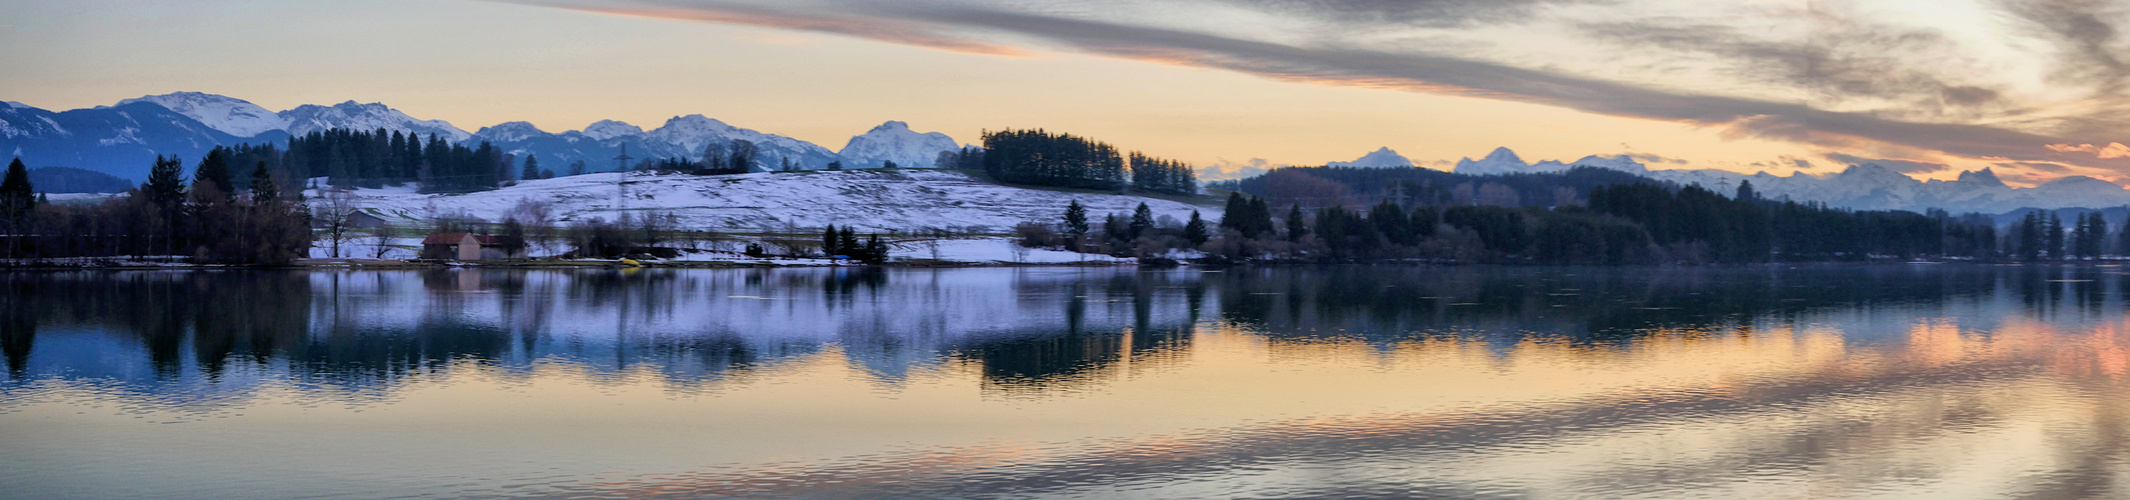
pixel 532 168
pixel 1195 230
pixel 166 182
pixel 214 169
pixel 263 190
pixel 1075 223
pixel 1142 220
pixel 17 198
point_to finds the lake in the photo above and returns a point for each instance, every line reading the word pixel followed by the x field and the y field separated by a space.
pixel 1923 380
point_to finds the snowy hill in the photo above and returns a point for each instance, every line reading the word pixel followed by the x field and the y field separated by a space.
pixel 894 141
pixel 1381 158
pixel 234 116
pixel 870 200
pixel 351 115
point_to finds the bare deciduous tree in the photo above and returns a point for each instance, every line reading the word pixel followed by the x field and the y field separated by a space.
pixel 332 211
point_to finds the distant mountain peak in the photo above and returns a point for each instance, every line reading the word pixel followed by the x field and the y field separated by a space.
pixel 230 115
pixel 364 116
pixel 1503 154
pixel 510 131
pixel 609 129
pixel 1380 158
pixel 1984 177
pixel 895 141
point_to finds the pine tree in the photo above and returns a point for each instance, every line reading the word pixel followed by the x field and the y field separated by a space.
pixel 1296 227
pixel 1075 223
pixel 2052 236
pixel 1195 230
pixel 214 169
pixel 1142 220
pixel 532 168
pixel 1746 192
pixel 828 241
pixel 17 197
pixel 166 182
pixel 263 190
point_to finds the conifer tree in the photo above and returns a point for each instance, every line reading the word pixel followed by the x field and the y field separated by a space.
pixel 1075 223
pixel 166 182
pixel 1142 220
pixel 263 190
pixel 214 169
pixel 828 241
pixel 1195 230
pixel 1296 227
pixel 532 168
pixel 17 197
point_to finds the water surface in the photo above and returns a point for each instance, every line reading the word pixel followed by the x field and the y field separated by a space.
pixel 1942 381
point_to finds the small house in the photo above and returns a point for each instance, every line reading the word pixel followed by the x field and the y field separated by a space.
pixel 469 246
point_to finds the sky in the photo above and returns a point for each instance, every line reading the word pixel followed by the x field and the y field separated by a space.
pixel 2034 90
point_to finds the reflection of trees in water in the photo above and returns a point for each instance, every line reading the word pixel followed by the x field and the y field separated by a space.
pixel 1090 340
pixel 1057 328
pixel 1505 305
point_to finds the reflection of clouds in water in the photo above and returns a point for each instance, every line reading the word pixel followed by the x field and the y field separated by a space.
pixel 1357 381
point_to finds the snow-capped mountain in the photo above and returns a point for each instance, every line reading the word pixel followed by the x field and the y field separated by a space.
pixel 609 129
pixel 120 140
pixel 235 116
pixel 124 138
pixel 352 115
pixel 680 137
pixel 894 141
pixel 1380 158
pixel 1502 161
pixel 1867 186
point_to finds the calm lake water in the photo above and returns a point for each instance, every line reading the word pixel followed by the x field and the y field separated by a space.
pixel 1939 381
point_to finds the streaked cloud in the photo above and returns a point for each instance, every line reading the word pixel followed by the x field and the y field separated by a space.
pixel 2006 81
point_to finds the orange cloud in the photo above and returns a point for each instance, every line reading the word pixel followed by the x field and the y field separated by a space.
pixel 2112 150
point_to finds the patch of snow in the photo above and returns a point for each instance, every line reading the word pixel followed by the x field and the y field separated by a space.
pixel 1381 158
pixel 894 141
pixel 873 201
pixel 355 116
pixel 230 115
pixel 609 129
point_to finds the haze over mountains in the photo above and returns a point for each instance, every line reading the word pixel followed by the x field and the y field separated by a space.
pixel 1867 186
pixel 123 139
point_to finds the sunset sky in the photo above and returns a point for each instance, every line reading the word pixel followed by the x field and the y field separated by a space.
pixel 2035 89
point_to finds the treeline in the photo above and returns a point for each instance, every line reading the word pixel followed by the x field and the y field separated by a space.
pixel 1619 224
pixel 1036 157
pixel 355 158
pixel 208 220
pixel 1316 187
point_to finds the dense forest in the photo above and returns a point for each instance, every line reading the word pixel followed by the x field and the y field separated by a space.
pixel 1039 158
pixel 259 223
pixel 1588 216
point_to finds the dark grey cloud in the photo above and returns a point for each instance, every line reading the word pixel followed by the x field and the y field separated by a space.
pixel 1424 13
pixel 1837 66
pixel 1902 166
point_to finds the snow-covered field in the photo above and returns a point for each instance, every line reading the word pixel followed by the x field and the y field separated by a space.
pixel 869 200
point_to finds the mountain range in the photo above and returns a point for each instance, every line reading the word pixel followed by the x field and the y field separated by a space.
pixel 1865 186
pixel 123 139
